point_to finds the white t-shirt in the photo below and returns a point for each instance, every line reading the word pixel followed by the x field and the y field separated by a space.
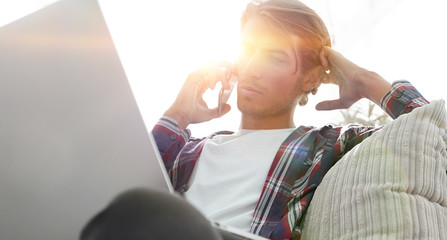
pixel 230 174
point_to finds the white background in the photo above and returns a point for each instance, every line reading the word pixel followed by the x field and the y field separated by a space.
pixel 160 42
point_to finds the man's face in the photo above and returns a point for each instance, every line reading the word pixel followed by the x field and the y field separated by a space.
pixel 268 84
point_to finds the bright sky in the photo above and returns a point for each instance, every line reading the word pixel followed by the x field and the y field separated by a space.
pixel 160 42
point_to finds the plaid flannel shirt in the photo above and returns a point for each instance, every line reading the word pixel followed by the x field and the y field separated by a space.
pixel 297 169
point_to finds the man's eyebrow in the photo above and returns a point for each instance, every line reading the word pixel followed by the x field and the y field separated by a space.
pixel 266 49
pixel 276 51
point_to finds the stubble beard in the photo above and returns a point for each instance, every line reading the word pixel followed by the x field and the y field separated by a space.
pixel 252 109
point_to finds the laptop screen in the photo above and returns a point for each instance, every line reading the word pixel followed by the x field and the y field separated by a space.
pixel 71 135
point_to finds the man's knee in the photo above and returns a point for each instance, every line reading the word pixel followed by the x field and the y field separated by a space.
pixel 147 214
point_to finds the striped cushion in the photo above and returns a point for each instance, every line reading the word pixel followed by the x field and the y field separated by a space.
pixel 391 186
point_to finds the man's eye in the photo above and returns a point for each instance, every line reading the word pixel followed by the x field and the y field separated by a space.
pixel 276 59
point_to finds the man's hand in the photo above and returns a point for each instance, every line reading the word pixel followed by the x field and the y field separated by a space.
pixel 189 107
pixel 354 82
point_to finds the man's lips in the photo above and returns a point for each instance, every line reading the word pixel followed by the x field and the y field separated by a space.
pixel 249 90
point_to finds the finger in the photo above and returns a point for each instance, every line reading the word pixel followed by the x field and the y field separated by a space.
pixel 223 78
pixel 217 71
pixel 331 105
pixel 323 58
pixel 329 79
pixel 213 77
pixel 345 68
pixel 193 79
pixel 331 55
pixel 221 75
pixel 223 64
pixel 192 85
pixel 228 71
pixel 202 84
pixel 335 76
pixel 214 113
pixel 226 80
pixel 325 79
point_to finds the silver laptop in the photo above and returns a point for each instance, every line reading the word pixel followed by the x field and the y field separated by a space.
pixel 71 135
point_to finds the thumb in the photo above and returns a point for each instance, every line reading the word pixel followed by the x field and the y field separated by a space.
pixel 330 105
pixel 214 113
pixel 225 109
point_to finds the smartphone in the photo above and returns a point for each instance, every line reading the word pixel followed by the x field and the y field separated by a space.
pixel 224 94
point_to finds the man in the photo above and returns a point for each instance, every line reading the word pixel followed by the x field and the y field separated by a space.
pixel 262 178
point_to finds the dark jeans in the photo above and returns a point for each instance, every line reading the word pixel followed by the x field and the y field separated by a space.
pixel 143 214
